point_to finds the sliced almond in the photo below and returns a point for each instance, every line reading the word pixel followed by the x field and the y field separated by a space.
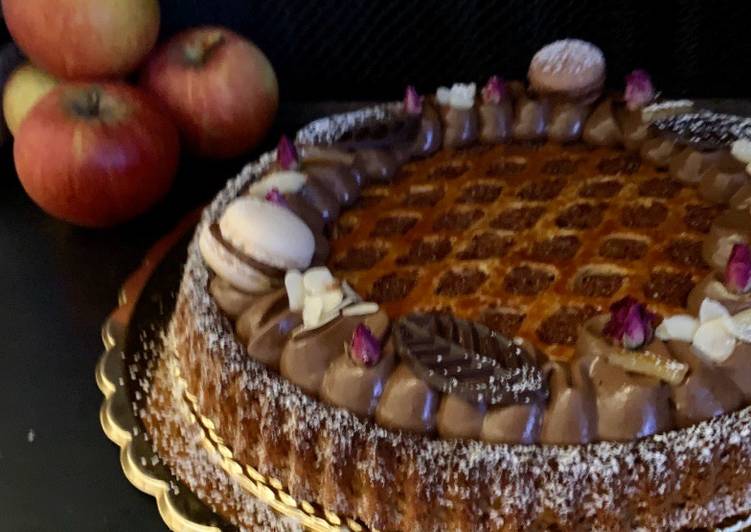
pixel 295 290
pixel 332 299
pixel 741 150
pixel 286 182
pixel 312 311
pixel 323 320
pixel 317 280
pixel 741 325
pixel 443 95
pixel 680 327
pixel 361 309
pixel 713 341
pixel 712 310
pixel 649 363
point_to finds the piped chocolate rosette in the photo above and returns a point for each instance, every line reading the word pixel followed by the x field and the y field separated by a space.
pixel 430 372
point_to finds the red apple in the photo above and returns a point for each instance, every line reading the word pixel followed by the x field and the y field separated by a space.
pixel 84 39
pixel 219 87
pixel 96 154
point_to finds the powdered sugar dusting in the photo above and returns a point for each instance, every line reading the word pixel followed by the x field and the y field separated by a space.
pixel 610 485
pixel 707 128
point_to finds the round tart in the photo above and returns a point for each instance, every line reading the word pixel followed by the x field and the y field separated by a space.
pixel 500 309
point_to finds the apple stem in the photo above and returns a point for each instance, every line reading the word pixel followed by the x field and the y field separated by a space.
pixel 88 105
pixel 199 51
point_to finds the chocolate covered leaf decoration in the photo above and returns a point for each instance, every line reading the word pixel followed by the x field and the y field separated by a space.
pixel 466 358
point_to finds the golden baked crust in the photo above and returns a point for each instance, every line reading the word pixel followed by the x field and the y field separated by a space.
pixel 693 477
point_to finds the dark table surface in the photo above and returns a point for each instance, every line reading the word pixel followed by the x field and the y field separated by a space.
pixel 57 469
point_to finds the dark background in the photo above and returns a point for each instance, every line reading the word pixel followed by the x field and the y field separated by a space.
pixel 369 49
pixel 58 282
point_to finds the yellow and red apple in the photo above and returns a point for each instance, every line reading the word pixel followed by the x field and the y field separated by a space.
pixel 84 39
pixel 219 87
pixel 96 154
pixel 25 86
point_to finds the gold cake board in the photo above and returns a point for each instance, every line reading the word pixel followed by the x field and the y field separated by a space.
pixel 181 509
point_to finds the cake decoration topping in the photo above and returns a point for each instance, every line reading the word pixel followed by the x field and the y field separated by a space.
pixel 631 325
pixel 276 197
pixel 459 96
pixel 285 181
pixel 322 298
pixel 706 128
pixel 364 348
pixel 680 327
pixel 466 358
pixel 286 154
pixel 651 363
pixel 494 91
pixel 571 67
pixel 567 56
pixel 631 329
pixel 738 269
pixel 741 150
pixel 639 90
pixel 714 335
pixel 412 101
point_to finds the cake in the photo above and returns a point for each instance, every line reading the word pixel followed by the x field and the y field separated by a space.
pixel 519 308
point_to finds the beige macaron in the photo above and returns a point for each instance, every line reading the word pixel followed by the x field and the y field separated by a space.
pixel 570 67
pixel 230 267
pixel 265 233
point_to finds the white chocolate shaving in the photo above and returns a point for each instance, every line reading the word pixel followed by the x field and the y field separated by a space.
pixel 741 325
pixel 285 181
pixel 317 280
pixel 741 150
pixel 713 341
pixel 462 95
pixel 459 96
pixel 312 311
pixel 331 299
pixel 361 309
pixel 443 95
pixel 295 290
pixel 714 335
pixel 711 309
pixel 679 327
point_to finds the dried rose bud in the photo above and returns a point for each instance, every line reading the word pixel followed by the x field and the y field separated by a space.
pixel 738 269
pixel 274 196
pixel 494 91
pixel 412 101
pixel 286 154
pixel 631 325
pixel 365 348
pixel 639 90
